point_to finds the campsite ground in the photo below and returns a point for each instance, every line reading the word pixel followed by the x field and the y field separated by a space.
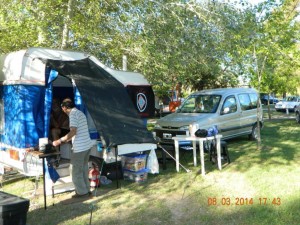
pixel 257 187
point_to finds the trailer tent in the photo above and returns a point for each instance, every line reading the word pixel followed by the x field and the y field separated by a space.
pixel 30 79
pixel 139 89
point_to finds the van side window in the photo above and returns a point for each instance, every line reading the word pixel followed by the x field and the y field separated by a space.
pixel 254 99
pixel 245 102
pixel 229 105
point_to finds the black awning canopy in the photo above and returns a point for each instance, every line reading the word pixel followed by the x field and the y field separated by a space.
pixel 107 101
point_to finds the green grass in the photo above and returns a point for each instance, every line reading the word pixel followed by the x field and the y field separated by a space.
pixel 183 198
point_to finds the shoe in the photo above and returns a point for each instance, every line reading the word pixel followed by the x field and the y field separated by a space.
pixel 80 196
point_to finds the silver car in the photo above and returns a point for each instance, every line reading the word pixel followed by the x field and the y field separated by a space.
pixel 289 103
pixel 232 110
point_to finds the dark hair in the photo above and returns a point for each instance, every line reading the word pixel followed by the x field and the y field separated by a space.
pixel 68 104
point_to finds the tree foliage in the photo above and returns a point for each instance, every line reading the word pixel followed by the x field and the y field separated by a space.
pixel 274 46
pixel 201 44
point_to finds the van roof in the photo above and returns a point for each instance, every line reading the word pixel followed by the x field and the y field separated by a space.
pixel 221 91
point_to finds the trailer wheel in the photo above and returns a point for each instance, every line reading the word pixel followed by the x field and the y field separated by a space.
pixel 95 162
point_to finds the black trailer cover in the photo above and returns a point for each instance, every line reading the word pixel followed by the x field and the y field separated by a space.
pixel 107 101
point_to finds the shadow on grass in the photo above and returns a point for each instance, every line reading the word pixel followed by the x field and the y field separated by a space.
pixel 279 145
pixel 181 198
pixel 259 212
pixel 192 209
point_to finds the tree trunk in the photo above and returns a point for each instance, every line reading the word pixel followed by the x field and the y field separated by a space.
pixel 65 34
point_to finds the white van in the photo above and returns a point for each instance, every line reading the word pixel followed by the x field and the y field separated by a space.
pixel 233 110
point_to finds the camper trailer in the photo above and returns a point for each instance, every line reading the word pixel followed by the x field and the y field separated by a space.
pixel 139 90
pixel 30 80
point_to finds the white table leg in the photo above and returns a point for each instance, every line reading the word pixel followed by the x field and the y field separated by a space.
pixel 176 143
pixel 194 153
pixel 202 157
pixel 219 153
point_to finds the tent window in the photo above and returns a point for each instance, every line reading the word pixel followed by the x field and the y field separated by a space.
pixel 1 116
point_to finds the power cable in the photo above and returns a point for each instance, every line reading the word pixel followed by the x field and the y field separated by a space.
pixel 187 170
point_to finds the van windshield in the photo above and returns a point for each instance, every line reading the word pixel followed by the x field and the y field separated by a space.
pixel 200 104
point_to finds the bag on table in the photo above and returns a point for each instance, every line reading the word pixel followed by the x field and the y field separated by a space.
pixel 201 133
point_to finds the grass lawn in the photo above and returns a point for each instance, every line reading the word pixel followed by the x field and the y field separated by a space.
pixel 257 187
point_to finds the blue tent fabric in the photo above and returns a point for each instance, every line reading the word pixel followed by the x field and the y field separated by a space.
pixel 27 112
pixel 24 115
pixel 50 77
pixel 50 171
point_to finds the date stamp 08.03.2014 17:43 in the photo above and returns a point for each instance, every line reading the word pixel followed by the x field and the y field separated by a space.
pixel 239 201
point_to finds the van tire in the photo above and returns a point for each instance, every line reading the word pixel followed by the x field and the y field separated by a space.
pixel 253 135
pixel 298 117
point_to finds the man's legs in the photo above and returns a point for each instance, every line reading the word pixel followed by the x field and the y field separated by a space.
pixel 79 172
pixel 86 169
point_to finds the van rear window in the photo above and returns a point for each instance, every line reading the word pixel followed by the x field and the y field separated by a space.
pixel 254 99
pixel 248 101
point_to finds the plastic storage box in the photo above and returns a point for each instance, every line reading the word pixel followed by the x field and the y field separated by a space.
pixel 13 209
pixel 140 176
pixel 134 162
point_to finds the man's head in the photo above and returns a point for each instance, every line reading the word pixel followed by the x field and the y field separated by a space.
pixel 67 105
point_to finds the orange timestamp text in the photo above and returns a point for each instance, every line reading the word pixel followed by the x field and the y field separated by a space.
pixel 241 201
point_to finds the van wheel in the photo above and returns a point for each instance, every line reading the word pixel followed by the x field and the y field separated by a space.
pixel 95 162
pixel 298 117
pixel 253 136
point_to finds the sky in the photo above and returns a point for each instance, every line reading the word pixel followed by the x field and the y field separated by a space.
pixel 254 2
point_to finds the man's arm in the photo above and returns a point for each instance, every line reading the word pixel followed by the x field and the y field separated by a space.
pixel 67 137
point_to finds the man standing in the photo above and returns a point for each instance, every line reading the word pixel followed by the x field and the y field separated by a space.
pixel 79 134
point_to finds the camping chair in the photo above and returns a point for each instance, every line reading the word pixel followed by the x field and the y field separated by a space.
pixel 224 152
pixel 186 152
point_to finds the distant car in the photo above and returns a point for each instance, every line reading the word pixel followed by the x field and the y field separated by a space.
pixel 297 114
pixel 290 103
pixel 265 97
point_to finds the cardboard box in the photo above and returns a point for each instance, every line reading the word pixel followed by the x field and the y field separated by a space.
pixel 140 176
pixel 135 162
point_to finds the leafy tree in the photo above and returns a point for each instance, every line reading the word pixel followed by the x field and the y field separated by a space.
pixel 275 41
pixel 89 26
pixel 202 44
pixel 272 45
pixel 188 42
